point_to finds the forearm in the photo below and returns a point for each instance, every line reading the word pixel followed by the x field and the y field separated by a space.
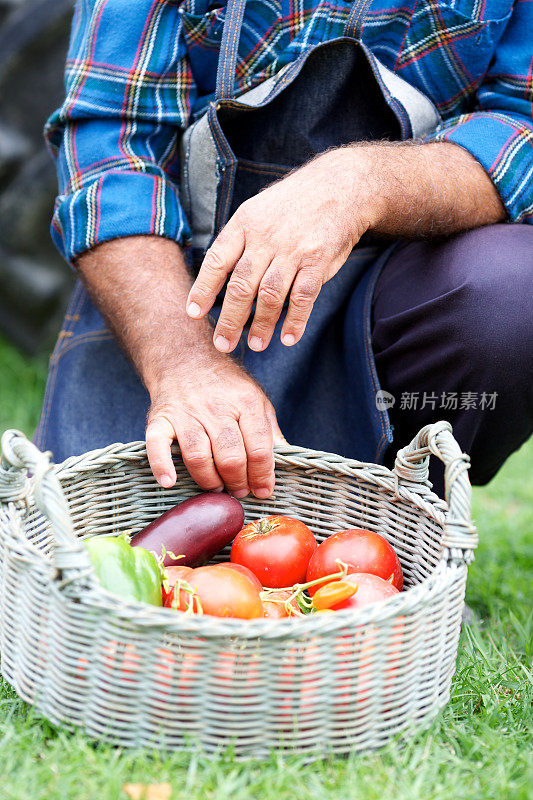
pixel 427 189
pixel 140 284
pixel 224 423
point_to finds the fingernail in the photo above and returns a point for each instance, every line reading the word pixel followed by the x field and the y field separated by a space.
pixel 255 343
pixel 166 481
pixel 218 489
pixel 241 493
pixel 263 492
pixel 194 310
pixel 222 344
pixel 288 339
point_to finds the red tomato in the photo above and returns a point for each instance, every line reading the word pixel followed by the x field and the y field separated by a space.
pixel 222 592
pixel 274 605
pixel 172 575
pixel 276 549
pixel 363 551
pixel 244 571
pixel 370 589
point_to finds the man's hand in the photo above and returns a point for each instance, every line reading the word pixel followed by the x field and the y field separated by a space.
pixel 225 426
pixel 224 423
pixel 296 234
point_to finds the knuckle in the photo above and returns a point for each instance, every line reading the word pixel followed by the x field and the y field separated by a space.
pixel 250 401
pixel 239 288
pixel 310 285
pixel 213 260
pixel 156 429
pixel 228 328
pixel 196 461
pixel 228 439
pixel 259 454
pixel 217 408
pixel 273 279
pixel 230 464
pixel 243 267
pixel 270 297
pixel 300 302
pixel 192 439
pixel 311 256
pixel 305 292
pixel 251 220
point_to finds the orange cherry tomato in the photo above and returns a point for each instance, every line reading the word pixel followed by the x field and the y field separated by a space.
pixel 332 593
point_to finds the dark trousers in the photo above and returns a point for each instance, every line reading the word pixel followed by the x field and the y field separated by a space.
pixel 452 334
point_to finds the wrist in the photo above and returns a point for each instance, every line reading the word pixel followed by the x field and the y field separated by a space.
pixel 360 173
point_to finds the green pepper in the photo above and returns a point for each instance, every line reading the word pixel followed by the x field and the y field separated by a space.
pixel 132 573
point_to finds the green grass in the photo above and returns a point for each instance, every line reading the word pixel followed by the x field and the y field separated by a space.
pixel 479 747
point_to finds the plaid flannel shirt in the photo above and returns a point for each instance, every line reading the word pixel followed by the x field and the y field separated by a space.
pixel 139 72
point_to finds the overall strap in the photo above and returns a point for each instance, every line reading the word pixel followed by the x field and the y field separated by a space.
pixel 356 19
pixel 227 59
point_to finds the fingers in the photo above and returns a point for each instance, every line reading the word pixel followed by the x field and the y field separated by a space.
pixel 195 450
pixel 273 289
pixel 305 291
pixel 257 435
pixel 240 293
pixel 218 262
pixel 159 436
pixel 197 456
pixel 229 454
pixel 237 455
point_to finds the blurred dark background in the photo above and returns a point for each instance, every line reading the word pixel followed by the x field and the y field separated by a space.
pixel 34 280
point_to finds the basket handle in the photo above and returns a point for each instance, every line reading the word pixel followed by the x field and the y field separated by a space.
pixel 20 456
pixel 412 467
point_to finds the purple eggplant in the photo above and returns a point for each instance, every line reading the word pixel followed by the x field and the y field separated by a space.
pixel 197 528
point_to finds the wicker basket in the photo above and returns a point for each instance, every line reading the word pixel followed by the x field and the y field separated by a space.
pixel 138 675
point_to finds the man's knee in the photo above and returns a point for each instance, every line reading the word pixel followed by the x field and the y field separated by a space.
pixel 490 305
pixel 466 299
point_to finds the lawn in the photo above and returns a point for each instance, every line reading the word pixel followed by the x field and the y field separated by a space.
pixel 480 747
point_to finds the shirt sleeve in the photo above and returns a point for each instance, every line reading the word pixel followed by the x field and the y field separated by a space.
pixel 129 92
pixel 499 133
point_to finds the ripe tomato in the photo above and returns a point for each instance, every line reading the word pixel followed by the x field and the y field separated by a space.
pixel 276 549
pixel 244 571
pixel 221 592
pixel 274 605
pixel 172 575
pixel 370 589
pixel 363 551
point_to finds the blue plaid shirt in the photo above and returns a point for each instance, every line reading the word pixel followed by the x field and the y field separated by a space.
pixel 139 72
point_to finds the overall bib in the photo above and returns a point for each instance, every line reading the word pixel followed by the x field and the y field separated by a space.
pixel 324 388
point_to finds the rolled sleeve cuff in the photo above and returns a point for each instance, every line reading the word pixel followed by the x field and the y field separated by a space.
pixel 116 205
pixel 503 145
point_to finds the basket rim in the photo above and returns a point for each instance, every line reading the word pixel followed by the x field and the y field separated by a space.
pixel 421 496
pixel 402 605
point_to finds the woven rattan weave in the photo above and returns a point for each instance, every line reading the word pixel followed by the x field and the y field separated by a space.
pixel 142 676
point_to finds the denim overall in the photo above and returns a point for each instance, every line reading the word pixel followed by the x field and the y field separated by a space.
pixel 325 388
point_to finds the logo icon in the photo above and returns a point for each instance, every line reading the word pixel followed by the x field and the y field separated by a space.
pixel 384 400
